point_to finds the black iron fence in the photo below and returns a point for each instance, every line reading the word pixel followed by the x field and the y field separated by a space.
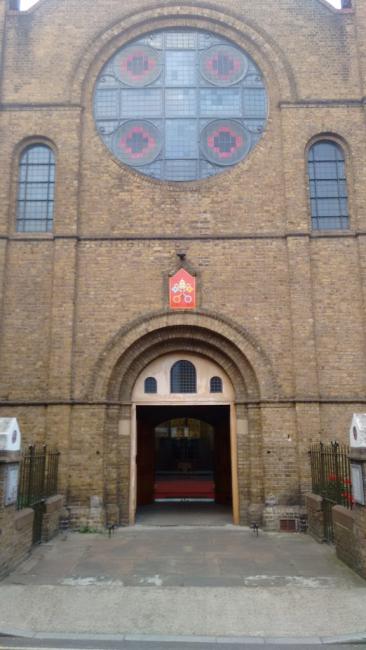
pixel 331 479
pixel 37 482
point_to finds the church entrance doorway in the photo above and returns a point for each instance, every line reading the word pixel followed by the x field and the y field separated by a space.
pixel 183 457
pixel 184 438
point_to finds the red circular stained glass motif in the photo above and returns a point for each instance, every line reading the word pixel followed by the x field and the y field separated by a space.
pixel 138 65
pixel 223 65
pixel 224 142
pixel 137 143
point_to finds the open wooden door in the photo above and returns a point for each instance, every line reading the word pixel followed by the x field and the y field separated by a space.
pixel 145 462
pixel 223 487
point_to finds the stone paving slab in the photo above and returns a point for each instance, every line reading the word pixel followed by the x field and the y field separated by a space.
pixel 186 557
pixel 185 581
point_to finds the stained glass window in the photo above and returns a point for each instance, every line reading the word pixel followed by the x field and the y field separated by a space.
pixel 183 378
pixel 328 186
pixel 197 101
pixel 36 189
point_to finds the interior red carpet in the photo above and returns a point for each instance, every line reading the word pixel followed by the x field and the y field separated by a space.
pixel 184 488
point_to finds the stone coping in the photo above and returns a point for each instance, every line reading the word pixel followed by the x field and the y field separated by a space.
pixel 54 503
pixel 23 518
pixel 10 456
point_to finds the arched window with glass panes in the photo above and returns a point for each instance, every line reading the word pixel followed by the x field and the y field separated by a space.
pixel 36 189
pixel 183 377
pixel 151 385
pixel 215 385
pixel 328 186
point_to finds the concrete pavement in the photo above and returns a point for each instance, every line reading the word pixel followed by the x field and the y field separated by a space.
pixel 134 642
pixel 200 582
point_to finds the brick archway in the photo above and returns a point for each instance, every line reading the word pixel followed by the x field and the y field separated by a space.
pixel 218 339
pixel 154 334
pixel 257 41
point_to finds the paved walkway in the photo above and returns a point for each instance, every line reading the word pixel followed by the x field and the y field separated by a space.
pixel 210 581
pixel 184 514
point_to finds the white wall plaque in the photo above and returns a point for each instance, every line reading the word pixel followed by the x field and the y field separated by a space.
pixel 358 490
pixel 357 433
pixel 11 484
pixel 10 436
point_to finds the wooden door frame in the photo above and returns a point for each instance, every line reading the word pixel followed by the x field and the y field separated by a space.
pixel 233 456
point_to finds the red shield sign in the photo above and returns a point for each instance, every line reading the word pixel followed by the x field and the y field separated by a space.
pixel 182 290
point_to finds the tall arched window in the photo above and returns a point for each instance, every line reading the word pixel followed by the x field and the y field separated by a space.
pixel 183 378
pixel 328 186
pixel 36 189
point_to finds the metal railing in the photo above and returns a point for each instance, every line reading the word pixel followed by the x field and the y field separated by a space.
pixel 38 475
pixel 52 463
pixel 37 482
pixel 331 473
pixel 331 479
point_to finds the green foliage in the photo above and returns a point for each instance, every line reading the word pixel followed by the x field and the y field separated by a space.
pixel 89 529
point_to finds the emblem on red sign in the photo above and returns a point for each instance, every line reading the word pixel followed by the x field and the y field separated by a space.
pixel 182 290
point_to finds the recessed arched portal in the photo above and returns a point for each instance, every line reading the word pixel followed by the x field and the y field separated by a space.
pixel 240 379
pixel 185 447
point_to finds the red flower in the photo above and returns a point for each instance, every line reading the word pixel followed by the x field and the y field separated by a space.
pixel 348 496
pixel 332 477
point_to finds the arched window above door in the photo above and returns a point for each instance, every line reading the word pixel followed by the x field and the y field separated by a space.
pixel 181 380
pixel 215 385
pixel 151 385
pixel 183 377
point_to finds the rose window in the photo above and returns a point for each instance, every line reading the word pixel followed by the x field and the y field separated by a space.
pixel 180 105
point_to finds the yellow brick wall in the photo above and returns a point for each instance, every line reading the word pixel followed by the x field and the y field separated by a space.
pixel 246 233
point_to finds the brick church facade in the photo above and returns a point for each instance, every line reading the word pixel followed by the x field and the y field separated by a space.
pixel 224 138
